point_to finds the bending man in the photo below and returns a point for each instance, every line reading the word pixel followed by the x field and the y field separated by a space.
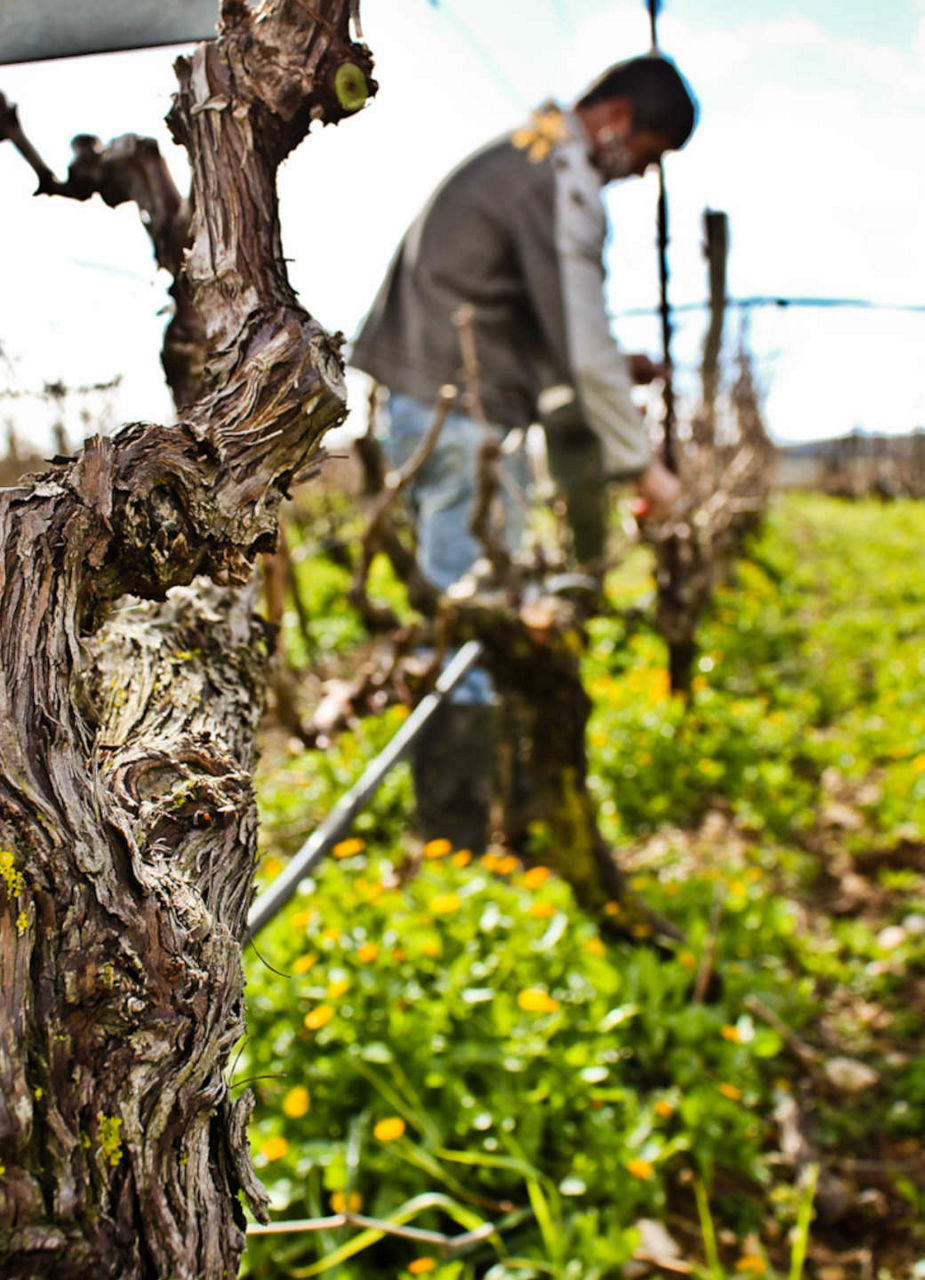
pixel 518 233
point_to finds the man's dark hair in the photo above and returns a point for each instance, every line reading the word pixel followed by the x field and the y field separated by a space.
pixel 662 100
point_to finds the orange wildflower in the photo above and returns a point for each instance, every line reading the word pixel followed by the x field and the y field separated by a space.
pixel 348 848
pixel 389 1129
pixel 318 1017
pixel 541 910
pixel 296 1102
pixel 341 1203
pixel 437 848
pixel 274 1148
pixel 751 1264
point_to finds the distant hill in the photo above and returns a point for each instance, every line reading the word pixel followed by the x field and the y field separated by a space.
pixel 856 464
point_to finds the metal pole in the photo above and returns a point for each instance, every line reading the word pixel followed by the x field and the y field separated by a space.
pixel 680 655
pixel 671 461
pixel 273 899
pixel 653 7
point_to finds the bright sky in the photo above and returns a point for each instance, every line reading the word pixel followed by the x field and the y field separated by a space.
pixel 812 115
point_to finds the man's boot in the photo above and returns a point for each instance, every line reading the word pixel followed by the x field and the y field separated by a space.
pixel 452 768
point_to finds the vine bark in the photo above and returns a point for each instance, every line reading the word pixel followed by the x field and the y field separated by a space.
pixel 127 823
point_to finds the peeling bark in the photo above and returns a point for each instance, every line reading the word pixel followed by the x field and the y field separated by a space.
pixel 127 821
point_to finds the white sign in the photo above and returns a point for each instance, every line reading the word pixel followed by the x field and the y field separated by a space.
pixel 33 30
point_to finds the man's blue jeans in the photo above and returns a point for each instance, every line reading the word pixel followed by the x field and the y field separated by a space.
pixel 442 497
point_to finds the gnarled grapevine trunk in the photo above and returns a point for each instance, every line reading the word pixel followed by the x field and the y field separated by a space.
pixel 127 824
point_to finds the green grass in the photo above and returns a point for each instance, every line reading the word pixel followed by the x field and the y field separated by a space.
pixel 563 1088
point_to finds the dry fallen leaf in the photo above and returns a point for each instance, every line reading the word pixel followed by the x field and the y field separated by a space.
pixel 850 1076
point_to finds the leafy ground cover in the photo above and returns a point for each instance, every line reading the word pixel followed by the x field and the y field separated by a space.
pixel 448 1044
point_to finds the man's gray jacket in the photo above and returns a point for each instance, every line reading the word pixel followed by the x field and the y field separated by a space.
pixel 518 231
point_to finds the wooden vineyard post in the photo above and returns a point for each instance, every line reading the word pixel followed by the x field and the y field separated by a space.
pixel 716 250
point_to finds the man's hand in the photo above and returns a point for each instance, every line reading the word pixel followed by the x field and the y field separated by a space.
pixel 643 369
pixel 659 489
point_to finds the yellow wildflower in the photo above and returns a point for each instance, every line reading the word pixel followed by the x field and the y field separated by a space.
pixel 421 1266
pixel 536 1000
pixel 730 1033
pixel 536 876
pixel 731 1092
pixel 302 919
pixel 296 1102
pixel 918 764
pixel 338 988
pixel 331 935
pixel 304 963
pixel 595 947
pixel 389 1129
pixel 22 922
pixel 437 848
pixel 490 861
pixel 612 908
pixel 664 1108
pixel 641 1169
pixel 348 848
pixel 444 903
pixel 431 947
pixel 342 1203
pixel 274 1148
pixel 318 1017
pixel 461 858
pixel 367 953
pixel 507 865
pixel 272 867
